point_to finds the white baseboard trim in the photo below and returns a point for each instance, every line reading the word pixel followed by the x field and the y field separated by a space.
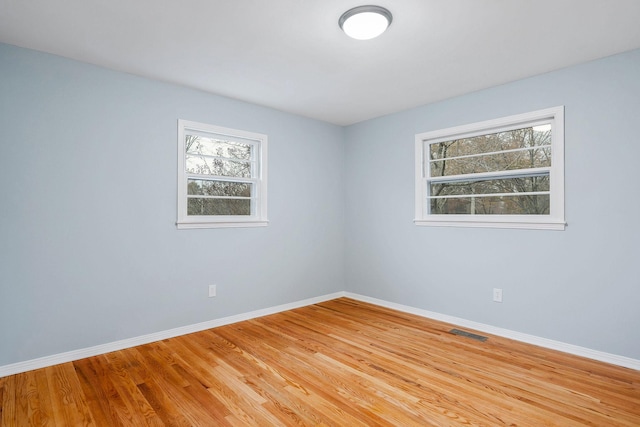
pixel 70 356
pixel 613 359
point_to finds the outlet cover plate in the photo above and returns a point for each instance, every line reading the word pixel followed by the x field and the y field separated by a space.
pixel 497 295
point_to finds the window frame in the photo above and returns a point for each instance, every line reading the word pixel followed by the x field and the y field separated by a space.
pixel 555 220
pixel 258 217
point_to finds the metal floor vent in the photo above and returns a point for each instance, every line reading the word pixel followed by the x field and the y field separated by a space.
pixel 468 335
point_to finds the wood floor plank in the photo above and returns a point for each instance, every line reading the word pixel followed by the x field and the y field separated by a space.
pixel 126 387
pixel 68 404
pixel 337 363
pixel 22 405
pixel 3 380
pixel 177 399
pixel 8 395
pixel 37 413
pixel 104 402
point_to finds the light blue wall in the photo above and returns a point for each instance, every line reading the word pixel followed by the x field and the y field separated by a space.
pixel 89 250
pixel 580 286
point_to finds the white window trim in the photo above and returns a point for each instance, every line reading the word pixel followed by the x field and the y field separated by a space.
pixel 258 218
pixel 554 221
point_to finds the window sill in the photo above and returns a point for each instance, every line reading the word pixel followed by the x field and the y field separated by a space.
pixel 479 223
pixel 221 224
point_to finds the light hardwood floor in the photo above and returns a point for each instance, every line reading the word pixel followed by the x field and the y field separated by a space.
pixel 341 363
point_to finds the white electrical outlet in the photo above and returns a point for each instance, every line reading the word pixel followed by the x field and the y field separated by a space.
pixel 212 291
pixel 497 295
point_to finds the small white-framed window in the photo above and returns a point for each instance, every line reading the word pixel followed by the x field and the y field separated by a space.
pixel 503 173
pixel 222 177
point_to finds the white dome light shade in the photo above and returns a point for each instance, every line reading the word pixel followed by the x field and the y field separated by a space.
pixel 365 22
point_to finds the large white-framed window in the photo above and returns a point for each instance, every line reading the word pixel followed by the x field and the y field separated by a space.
pixel 222 177
pixel 502 173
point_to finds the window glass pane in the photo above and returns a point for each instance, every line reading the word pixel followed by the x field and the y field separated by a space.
pixel 200 206
pixel 508 185
pixel 499 205
pixel 534 136
pixel 534 158
pixel 219 167
pixel 200 187
pixel 217 147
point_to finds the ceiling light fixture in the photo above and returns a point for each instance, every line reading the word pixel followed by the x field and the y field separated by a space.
pixel 365 22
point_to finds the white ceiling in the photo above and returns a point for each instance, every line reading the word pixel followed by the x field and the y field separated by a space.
pixel 291 55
